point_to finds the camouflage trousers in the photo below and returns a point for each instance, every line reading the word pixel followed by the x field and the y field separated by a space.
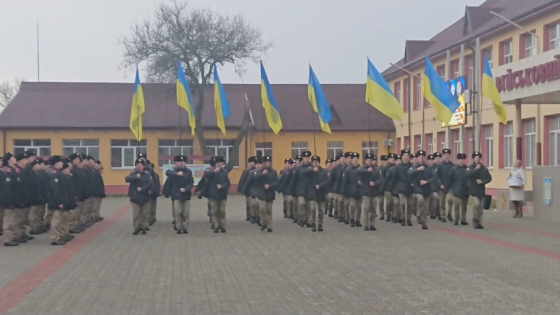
pixel 317 210
pixel 369 207
pixel 60 222
pixel 265 210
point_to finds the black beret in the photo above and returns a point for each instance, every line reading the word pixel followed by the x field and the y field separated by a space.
pixel 97 161
pixel 220 159
pixel 289 161
pixel 212 161
pixel 139 161
pixel 267 158
pixel 340 157
pixel 65 165
pixel 430 157
pixel 355 155
pixel 30 153
pixel 151 165
pixel 315 158
pixel 34 163
pixel 298 157
pixel 306 153
pixel 347 154
pixel 476 153
pixel 370 156
pixel 461 156
pixel 328 161
pixel 142 155
pixel 421 153
pixel 89 157
pixel 73 156
pixel 258 160
pixel 40 160
pixel 446 151
pixel 405 151
pixel 384 158
pixel 83 156
pixel 55 159
pixel 397 157
pixel 7 156
pixel 437 154
pixel 412 155
pixel 20 156
pixel 252 159
pixel 392 156
pixel 179 158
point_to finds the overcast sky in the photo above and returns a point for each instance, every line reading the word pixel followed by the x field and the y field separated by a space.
pixel 78 38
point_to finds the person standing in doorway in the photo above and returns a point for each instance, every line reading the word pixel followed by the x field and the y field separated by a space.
pixel 517 195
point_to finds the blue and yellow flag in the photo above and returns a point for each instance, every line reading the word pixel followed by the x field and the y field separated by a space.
pixel 380 96
pixel 438 94
pixel 318 101
pixel 184 99
pixel 138 108
pixel 490 90
pixel 269 103
pixel 221 104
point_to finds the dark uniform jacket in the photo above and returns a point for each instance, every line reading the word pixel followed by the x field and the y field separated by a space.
pixel 37 186
pixel 459 182
pixel 99 184
pixel 202 187
pixel 283 180
pixel 80 177
pixel 60 191
pixel 335 178
pixel 250 186
pixel 287 186
pixel 402 180
pixel 213 180
pixel 443 171
pixel 436 182
pixel 365 176
pixel 386 184
pixel 243 178
pixel 331 184
pixel 314 178
pixel 350 183
pixel 12 193
pixel 177 182
pixel 299 181
pixel 419 175
pixel 69 191
pixel 475 189
pixel 340 186
pixel 260 179
pixel 144 182
pixel 25 176
pixel 156 189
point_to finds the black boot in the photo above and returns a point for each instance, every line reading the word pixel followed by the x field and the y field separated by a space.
pixel 313 228
pixel 403 223
pixel 358 224
pixel 179 231
pixel 352 223
pixel 223 229
pixel 216 230
pixel 478 226
pixel 58 243
pixel 136 231
pixel 366 228
pixel 309 225
pixel 320 228
pixel 424 227
pixel 449 218
pixel 418 220
pixel 263 227
pixel 285 213
pixel 12 243
pixel 372 228
pixel 185 231
pixel 408 222
pixel 269 230
pixel 464 222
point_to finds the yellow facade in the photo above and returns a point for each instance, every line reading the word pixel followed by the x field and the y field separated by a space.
pixel 281 145
pixel 424 118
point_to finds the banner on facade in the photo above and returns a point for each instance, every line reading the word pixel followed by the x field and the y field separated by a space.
pixel 197 170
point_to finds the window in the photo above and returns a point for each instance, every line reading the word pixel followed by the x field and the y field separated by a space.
pixel 222 148
pixel 530 143
pixel 41 147
pixel 430 143
pixel 397 88
pixel 124 152
pixel 456 140
pixel 417 143
pixel 455 68
pixel 263 148
pixel 418 89
pixel 368 147
pixel 167 149
pixel 406 88
pixel 508 52
pixel 84 146
pixel 554 36
pixel 488 55
pixel 530 45
pixel 334 149
pixel 298 147
pixel 489 145
pixel 441 71
pixel 554 140
pixel 406 143
pixel 508 145
pixel 470 72
pixel 470 140
pixel 441 140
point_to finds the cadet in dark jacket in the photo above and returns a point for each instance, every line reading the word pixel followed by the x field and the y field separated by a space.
pixel 353 191
pixel 479 176
pixel 317 186
pixel 329 207
pixel 155 193
pixel 370 182
pixel 38 199
pixel 403 187
pixel 266 181
pixel 381 197
pixel 284 177
pixel 389 186
pixel 181 183
pixel 80 178
pixel 11 201
pixel 140 186
pixel 218 186
pixel 459 186
pixel 25 174
pixel 434 187
pixel 422 178
pixel 386 188
pixel 60 199
pixel 443 172
pixel 202 190
pixel 99 189
pixel 251 166
pixel 336 179
pixel 251 190
pixel 299 184
pixel 343 203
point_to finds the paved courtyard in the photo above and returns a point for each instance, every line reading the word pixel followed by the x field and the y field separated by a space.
pixel 511 267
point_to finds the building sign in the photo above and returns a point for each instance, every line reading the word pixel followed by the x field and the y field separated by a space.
pixel 197 171
pixel 457 87
pixel 547 191
pixel 541 73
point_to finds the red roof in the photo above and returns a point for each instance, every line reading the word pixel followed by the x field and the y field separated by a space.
pixel 107 105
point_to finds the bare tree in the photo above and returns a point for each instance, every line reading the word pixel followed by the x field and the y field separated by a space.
pixel 8 90
pixel 199 38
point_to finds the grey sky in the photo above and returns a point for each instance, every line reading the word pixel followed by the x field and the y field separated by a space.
pixel 78 38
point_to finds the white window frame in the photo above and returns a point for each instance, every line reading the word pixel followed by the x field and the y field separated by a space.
pixel 489 145
pixel 508 145
pixel 508 56
pixel 471 73
pixel 39 149
pixel 456 139
pixel 530 45
pixel 398 91
pixel 334 149
pixel 430 143
pixel 419 93
pixel 173 147
pixel 554 41
pixel 298 147
pixel 456 69
pixel 530 143
pixel 488 54
pixel 441 75
pixel 263 148
pixel 470 133
pixel 554 140
pixel 371 147
pixel 218 146
pixel 82 147
pixel 131 146
pixel 443 143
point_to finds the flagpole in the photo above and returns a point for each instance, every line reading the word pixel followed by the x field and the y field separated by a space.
pixel 38 71
pixel 369 129
pixel 180 133
pixel 313 126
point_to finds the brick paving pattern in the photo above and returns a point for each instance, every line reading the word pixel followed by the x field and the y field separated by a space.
pixel 511 267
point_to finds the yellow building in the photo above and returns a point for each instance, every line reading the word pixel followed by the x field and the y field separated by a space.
pixel 526 68
pixel 92 118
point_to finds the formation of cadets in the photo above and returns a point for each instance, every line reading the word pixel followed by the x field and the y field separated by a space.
pixel 59 194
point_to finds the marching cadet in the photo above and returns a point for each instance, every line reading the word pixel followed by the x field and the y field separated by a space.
pixel 155 194
pixel 290 190
pixel 386 187
pixel 445 193
pixel 181 182
pixel 202 189
pixel 317 186
pixel 265 181
pixel 12 201
pixel 140 186
pixel 99 191
pixel 335 179
pixel 167 193
pixel 329 208
pixel 436 184
pixel 459 186
pixel 25 174
pixel 422 178
pixel 80 179
pixel 251 166
pixel 479 176
pixel 218 186
pixel 403 188
pixel 61 198
pixel 250 188
pixel 38 199
pixel 343 215
pixel 353 190
pixel 413 159
pixel 284 176
pixel 299 182
pixel 381 197
pixel 370 181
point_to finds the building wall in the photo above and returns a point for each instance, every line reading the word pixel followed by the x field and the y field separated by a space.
pixel 281 146
pixel 433 126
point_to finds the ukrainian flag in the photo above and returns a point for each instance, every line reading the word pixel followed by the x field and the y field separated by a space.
pixel 318 101
pixel 138 108
pixel 221 104
pixel 490 90
pixel 269 103
pixel 438 94
pixel 184 99
pixel 380 96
